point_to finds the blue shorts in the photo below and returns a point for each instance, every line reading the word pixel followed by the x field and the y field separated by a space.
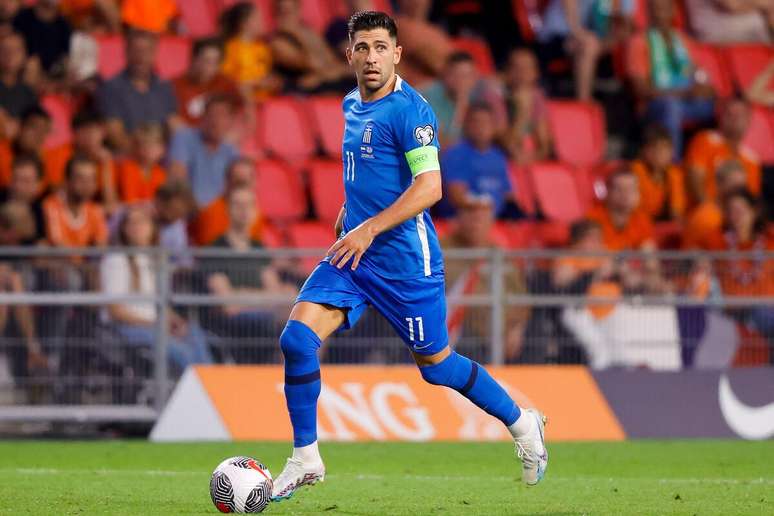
pixel 415 308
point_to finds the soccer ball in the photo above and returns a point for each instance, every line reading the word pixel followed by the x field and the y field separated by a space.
pixel 242 485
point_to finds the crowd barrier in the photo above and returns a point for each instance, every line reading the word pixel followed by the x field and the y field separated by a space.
pixel 665 311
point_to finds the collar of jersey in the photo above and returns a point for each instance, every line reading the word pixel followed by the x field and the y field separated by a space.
pixel 398 87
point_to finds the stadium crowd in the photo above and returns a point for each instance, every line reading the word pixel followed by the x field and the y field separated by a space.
pixel 589 125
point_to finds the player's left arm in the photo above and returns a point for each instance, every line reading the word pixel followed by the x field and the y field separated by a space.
pixel 417 132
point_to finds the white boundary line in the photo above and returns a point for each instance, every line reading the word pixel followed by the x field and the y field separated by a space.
pixel 369 477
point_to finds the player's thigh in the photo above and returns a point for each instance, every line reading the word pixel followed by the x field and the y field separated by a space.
pixel 328 300
pixel 416 309
pixel 320 318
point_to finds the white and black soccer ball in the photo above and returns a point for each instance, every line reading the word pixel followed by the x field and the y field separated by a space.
pixel 241 485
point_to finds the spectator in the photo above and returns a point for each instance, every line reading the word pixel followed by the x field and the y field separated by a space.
pixel 124 273
pixel 136 95
pixel 201 155
pixel 458 88
pixel 212 221
pixel 92 16
pixel 711 147
pixel 426 47
pixel 476 167
pixel 665 76
pixel 585 30
pixel 47 36
pixel 88 140
pixel 591 276
pixel 154 16
pixel 744 229
pixel 624 225
pixel 706 219
pixel 26 187
pixel 241 275
pixel 28 358
pixel 140 174
pixel 303 57
pixel 202 80
pixel 174 204
pixel 247 58
pixel 72 217
pixel 527 137
pixel 34 128
pixel 761 91
pixel 8 11
pixel 731 21
pixel 472 328
pixel 15 96
pixel 662 184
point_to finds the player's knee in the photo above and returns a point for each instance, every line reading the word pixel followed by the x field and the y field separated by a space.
pixel 298 340
pixel 440 373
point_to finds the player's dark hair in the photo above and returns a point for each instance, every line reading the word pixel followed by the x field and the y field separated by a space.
pixel 369 20
pixel 459 56
pixel 29 160
pixel 654 134
pixel 76 160
pixel 202 44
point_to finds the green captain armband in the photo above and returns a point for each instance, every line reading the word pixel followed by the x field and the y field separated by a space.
pixel 423 159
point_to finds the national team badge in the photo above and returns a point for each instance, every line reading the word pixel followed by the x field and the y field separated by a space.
pixel 424 134
pixel 367 132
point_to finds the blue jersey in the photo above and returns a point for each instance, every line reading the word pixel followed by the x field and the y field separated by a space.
pixel 377 137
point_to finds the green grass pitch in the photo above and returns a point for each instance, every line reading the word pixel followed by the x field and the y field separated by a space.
pixel 635 477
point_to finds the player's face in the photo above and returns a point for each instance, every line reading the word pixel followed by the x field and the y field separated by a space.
pixel 373 55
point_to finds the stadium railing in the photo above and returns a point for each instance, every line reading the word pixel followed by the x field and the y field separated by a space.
pixel 661 310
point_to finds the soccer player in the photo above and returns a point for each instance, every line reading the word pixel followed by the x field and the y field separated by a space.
pixel 387 255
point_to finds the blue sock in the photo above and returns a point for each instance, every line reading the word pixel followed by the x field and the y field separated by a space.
pixel 472 381
pixel 302 380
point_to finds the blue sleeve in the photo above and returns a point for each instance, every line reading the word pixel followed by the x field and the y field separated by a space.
pixel 416 126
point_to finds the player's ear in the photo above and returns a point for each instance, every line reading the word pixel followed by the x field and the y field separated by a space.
pixel 349 55
pixel 396 55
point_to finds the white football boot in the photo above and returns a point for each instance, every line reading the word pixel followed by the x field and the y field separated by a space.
pixel 531 449
pixel 295 475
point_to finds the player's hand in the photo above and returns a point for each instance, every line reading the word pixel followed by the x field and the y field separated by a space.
pixel 352 246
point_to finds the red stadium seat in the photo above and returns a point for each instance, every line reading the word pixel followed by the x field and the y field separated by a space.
pixel 479 49
pixel 327 190
pixel 499 235
pixel 284 131
pixel 317 14
pixel 311 235
pixel 525 191
pixel 710 60
pixel 111 58
pixel 174 55
pixel 747 61
pixel 61 110
pixel 553 233
pixel 578 131
pixel 198 17
pixel 328 122
pixel 557 191
pixel 760 135
pixel 280 192
pixel 521 235
pixel 272 237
